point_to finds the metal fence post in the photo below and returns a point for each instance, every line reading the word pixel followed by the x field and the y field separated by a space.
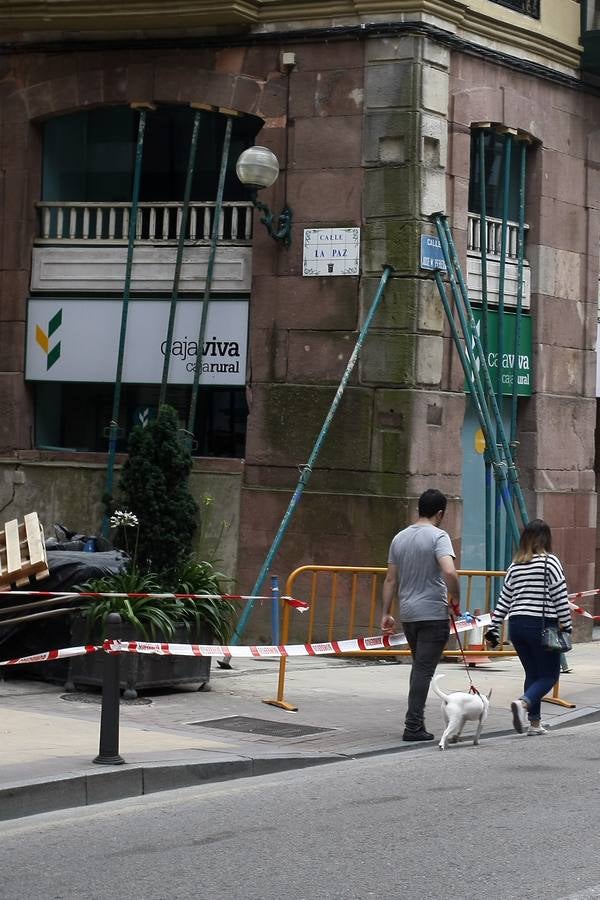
pixel 275 595
pixel 108 754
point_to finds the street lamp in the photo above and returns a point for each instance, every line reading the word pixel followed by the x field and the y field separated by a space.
pixel 258 168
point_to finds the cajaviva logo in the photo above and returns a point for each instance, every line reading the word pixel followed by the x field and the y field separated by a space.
pixel 43 339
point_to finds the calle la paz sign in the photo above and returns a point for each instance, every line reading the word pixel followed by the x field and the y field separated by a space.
pixel 78 340
pixel 331 251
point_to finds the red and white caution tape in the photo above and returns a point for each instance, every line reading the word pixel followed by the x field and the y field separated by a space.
pixel 325 648
pixel 381 642
pixel 292 601
pixel 50 655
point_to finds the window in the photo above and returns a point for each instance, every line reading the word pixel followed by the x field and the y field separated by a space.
pixel 527 7
pixel 89 158
pixel 91 155
pixel 72 416
pixel 494 172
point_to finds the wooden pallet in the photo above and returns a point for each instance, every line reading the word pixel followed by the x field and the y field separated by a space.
pixel 23 557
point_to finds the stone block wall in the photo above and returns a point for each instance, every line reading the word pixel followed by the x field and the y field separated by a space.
pixel 557 424
pixel 372 133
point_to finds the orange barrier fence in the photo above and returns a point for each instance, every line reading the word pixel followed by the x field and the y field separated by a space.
pixel 345 602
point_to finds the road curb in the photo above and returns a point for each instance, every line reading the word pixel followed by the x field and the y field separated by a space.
pixel 131 780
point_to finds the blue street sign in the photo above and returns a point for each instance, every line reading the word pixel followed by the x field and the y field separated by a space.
pixel 431 253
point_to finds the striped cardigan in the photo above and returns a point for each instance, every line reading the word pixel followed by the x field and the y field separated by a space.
pixel 523 591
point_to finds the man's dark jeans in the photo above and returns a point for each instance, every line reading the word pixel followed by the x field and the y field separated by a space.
pixel 426 641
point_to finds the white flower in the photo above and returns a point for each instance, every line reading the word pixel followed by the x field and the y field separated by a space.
pixel 124 518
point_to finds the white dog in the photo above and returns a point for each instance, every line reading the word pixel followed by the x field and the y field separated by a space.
pixel 459 708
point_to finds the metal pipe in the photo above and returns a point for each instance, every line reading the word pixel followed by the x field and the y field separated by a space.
pixel 518 316
pixel 471 339
pixel 451 258
pixel 114 423
pixel 501 286
pixel 489 484
pixel 209 276
pixel 308 468
pixel 179 256
pixel 275 609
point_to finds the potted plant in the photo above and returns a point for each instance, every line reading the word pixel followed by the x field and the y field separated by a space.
pixel 165 517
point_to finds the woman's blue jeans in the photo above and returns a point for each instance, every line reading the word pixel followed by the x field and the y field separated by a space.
pixel 542 667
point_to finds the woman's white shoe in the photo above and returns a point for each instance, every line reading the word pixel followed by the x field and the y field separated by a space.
pixel 519 714
pixel 537 729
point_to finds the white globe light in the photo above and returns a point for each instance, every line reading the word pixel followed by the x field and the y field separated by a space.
pixel 257 167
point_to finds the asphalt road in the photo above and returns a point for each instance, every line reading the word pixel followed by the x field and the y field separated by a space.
pixel 516 818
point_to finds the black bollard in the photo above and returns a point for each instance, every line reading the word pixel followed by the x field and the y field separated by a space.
pixel 108 754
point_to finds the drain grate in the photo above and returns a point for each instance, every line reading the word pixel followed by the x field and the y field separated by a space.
pixel 248 725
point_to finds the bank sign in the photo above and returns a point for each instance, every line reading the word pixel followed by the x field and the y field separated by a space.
pixel 508 362
pixel 78 340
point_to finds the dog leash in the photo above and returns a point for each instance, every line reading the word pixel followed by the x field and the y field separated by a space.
pixel 472 688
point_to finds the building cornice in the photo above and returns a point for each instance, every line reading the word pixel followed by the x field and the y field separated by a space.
pixel 60 43
pixel 29 19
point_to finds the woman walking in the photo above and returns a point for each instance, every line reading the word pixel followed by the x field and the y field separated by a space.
pixel 534 590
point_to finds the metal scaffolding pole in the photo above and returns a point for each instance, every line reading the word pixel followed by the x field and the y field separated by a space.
pixel 179 256
pixel 114 421
pixel 209 275
pixel 307 469
pixel 488 483
pixel 478 362
pixel 498 560
pixel 508 551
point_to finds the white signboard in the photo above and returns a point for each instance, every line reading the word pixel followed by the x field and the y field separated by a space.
pixel 331 251
pixel 78 340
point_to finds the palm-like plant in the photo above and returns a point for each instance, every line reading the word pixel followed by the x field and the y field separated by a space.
pixel 201 577
pixel 151 616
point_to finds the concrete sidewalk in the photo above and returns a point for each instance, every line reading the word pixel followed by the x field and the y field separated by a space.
pixel 346 708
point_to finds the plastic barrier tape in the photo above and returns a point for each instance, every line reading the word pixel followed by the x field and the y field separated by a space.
pixel 49 655
pixel 380 642
pixel 297 604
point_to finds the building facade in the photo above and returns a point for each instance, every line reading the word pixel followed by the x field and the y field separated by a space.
pixel 375 113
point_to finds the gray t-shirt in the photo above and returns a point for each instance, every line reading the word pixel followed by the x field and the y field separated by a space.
pixel 422 591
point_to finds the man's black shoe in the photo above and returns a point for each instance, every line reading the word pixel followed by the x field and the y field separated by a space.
pixel 421 735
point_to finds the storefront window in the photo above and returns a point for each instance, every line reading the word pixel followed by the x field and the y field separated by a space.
pixel 71 416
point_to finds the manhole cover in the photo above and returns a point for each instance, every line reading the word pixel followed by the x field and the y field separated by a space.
pixel 97 698
pixel 249 725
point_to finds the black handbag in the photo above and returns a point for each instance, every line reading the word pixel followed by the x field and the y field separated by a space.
pixel 553 639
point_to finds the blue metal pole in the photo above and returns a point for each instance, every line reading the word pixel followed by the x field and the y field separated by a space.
pixel 472 340
pixel 308 468
pixel 470 332
pixel 498 549
pixel 275 601
pixel 519 312
pixel 114 421
pixel 489 483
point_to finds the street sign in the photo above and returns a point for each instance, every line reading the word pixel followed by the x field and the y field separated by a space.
pixel 331 251
pixel 431 253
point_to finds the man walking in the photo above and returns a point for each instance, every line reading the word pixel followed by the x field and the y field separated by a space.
pixel 421 573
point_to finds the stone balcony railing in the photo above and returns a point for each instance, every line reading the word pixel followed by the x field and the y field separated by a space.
pixel 155 222
pixel 493 236
pixel 494 242
pixel 82 246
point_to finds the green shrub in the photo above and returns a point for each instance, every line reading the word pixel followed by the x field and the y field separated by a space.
pixel 154 486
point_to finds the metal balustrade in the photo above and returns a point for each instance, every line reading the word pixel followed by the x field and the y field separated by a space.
pixel 157 223
pixel 494 236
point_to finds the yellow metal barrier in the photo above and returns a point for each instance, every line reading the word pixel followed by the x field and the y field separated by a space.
pixel 355 593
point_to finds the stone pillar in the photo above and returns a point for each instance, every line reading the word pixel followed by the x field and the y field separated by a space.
pixel 418 411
